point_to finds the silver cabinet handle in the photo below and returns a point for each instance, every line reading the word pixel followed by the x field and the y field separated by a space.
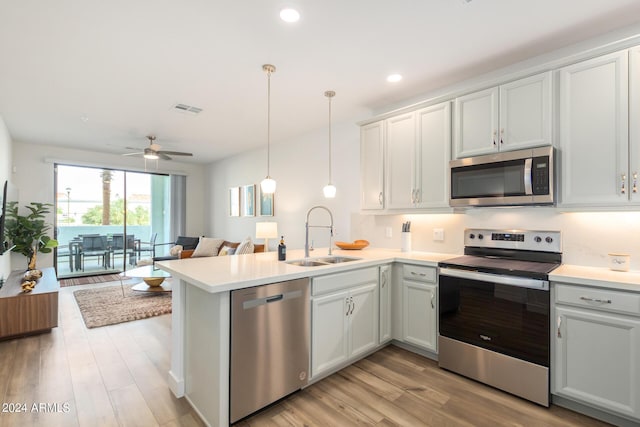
pixel 432 306
pixel 601 301
pixel 559 324
pixel 413 195
pixel 635 182
pixel 380 198
pixel 418 195
pixel 413 273
pixel 353 306
pixel 623 189
pixel 495 133
pixel 501 136
pixel 383 278
pixel 348 306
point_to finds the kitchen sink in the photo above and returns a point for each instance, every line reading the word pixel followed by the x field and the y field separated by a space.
pixel 316 262
pixel 306 263
pixel 338 259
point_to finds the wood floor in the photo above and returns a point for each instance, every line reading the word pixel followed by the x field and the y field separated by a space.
pixel 116 376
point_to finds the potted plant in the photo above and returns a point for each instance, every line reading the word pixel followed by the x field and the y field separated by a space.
pixel 28 233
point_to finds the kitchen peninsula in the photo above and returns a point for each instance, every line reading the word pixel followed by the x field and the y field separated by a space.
pixel 201 313
pixel 201 321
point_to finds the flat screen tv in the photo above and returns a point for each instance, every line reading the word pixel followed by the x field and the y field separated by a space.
pixel 9 195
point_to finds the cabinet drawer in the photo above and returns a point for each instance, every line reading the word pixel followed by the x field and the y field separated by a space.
pixel 334 282
pixel 419 273
pixel 599 299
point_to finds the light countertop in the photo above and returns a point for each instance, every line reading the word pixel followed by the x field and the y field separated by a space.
pixel 227 273
pixel 597 276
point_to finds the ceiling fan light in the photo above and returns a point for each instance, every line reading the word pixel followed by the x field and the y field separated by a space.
pixel 329 191
pixel 151 156
pixel 268 185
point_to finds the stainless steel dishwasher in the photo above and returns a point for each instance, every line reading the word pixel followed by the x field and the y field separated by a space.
pixel 270 344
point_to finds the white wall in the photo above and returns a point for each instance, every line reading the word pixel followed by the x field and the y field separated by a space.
pixel 587 237
pixel 5 174
pixel 34 175
pixel 300 168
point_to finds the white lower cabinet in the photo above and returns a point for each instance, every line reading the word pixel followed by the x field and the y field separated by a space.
pixel 385 303
pixel 420 307
pixel 344 318
pixel 596 359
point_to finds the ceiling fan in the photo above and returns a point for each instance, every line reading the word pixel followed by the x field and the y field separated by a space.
pixel 154 152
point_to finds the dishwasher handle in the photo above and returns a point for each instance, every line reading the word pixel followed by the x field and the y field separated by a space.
pixel 257 302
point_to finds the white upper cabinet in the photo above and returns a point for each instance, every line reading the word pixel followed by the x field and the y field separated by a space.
pixel 433 152
pixel 512 116
pixel 594 132
pixel 372 166
pixel 400 158
pixel 417 154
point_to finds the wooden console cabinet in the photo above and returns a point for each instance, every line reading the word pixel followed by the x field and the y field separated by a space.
pixel 37 311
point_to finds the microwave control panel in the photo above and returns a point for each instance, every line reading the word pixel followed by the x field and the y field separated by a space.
pixel 540 175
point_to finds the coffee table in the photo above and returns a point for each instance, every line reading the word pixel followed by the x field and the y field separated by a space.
pixel 152 279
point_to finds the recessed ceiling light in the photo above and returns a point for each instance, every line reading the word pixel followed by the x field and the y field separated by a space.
pixel 289 15
pixel 85 119
pixel 394 78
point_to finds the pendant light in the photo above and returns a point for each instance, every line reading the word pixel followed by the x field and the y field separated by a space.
pixel 268 184
pixel 329 190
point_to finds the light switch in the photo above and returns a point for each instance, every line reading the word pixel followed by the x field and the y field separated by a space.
pixel 388 232
pixel 438 235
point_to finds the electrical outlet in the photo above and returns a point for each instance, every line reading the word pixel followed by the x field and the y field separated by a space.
pixel 388 232
pixel 438 235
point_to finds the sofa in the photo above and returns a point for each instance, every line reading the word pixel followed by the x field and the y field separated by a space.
pixel 188 247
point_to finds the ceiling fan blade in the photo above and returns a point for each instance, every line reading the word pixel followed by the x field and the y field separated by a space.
pixel 176 153
pixel 162 155
pixel 134 154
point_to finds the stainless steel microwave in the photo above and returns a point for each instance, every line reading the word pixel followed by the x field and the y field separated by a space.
pixel 512 178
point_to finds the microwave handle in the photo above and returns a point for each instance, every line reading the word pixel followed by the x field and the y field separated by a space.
pixel 528 190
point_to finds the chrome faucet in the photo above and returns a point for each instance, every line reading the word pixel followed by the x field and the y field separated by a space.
pixel 307 227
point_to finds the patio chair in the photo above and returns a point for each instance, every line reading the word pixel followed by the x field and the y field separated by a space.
pixel 149 246
pixel 118 247
pixel 94 246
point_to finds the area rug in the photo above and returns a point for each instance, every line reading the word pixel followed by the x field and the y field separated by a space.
pixel 89 279
pixel 106 305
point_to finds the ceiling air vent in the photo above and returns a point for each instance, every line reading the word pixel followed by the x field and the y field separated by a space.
pixel 187 109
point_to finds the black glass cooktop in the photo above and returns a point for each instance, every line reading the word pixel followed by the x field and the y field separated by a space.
pixel 496 265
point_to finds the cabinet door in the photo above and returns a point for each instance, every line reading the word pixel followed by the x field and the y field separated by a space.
pixel 476 123
pixel 525 113
pixel 585 366
pixel 594 131
pixel 634 125
pixel 363 319
pixel 400 146
pixel 385 303
pixel 330 345
pixel 371 166
pixel 433 152
pixel 420 314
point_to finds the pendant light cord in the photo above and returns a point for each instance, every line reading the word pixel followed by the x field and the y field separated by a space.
pixel 268 122
pixel 330 180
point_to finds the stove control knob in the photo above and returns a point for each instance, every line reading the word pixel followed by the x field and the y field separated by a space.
pixel 538 239
pixel 472 236
pixel 549 239
pixel 480 236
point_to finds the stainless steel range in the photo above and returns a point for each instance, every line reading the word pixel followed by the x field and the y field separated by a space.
pixel 494 310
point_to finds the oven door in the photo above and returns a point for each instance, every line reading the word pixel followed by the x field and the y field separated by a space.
pixel 505 314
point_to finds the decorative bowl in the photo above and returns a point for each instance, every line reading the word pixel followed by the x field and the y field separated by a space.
pixel 153 281
pixel 357 244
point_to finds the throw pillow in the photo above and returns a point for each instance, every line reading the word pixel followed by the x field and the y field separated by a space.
pixel 175 250
pixel 207 247
pixel 245 247
pixel 226 250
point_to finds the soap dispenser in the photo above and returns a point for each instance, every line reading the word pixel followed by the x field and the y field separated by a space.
pixel 282 250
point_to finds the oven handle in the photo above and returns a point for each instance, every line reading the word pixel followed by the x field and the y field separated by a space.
pixel 522 282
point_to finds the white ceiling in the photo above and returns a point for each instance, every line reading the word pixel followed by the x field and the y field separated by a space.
pixel 122 64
